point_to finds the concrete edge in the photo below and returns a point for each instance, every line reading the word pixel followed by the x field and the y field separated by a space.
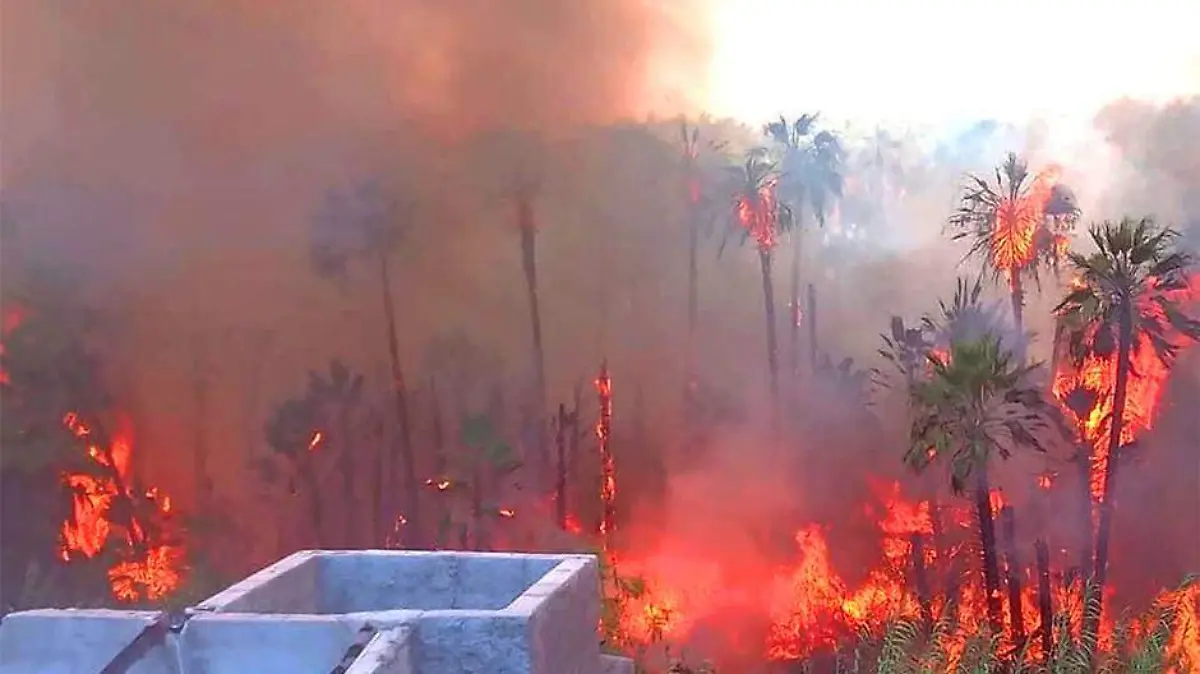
pixel 555 580
pixel 389 651
pixel 108 613
pixel 238 591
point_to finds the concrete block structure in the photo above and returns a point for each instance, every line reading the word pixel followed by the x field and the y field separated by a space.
pixel 344 612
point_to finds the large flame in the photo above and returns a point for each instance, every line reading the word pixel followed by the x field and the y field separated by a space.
pixel 149 564
pixel 149 568
pixel 1023 231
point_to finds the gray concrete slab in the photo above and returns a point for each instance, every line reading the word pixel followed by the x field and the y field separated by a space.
pixel 68 641
pixel 373 612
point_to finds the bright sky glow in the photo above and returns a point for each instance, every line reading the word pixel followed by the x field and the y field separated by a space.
pixel 935 62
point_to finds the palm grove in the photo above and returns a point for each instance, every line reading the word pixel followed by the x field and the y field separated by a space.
pixel 974 396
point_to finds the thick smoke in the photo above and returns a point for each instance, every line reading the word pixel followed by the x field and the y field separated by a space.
pixel 173 158
pixel 174 155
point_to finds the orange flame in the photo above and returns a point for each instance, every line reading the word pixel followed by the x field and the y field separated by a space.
pixel 150 574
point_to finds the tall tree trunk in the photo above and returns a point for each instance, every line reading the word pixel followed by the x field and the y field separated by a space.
pixel 693 290
pixel 987 538
pixel 768 289
pixel 203 481
pixel 560 481
pixel 608 479
pixel 573 441
pixel 921 579
pixel 408 458
pixel 1013 571
pixel 1087 523
pixel 794 316
pixel 1116 426
pixel 316 515
pixel 1017 295
pixel 529 264
pixel 693 310
pixel 477 517
pixel 440 466
pixel 346 468
pixel 1045 605
pixel 813 345
pixel 941 551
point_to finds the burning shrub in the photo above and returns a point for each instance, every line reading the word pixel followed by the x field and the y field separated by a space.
pixel 69 490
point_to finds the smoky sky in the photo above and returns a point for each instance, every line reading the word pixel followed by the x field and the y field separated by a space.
pixel 159 100
pixel 174 153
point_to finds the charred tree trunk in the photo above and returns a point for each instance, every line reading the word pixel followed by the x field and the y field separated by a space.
pixel 1113 462
pixel 529 265
pixel 813 345
pixel 408 458
pixel 1087 523
pixel 477 517
pixel 794 302
pixel 939 531
pixel 768 289
pixel 560 481
pixel 1017 296
pixel 955 570
pixel 1045 606
pixel 440 463
pixel 693 291
pixel 987 539
pixel 203 481
pixel 1013 571
pixel 921 579
pixel 608 480
pixel 574 438
pixel 346 468
pixel 316 515
pixel 693 309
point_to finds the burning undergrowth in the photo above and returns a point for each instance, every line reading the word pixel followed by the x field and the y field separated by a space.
pixel 55 399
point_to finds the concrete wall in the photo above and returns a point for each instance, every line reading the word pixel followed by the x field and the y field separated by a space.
pixel 370 612
pixel 71 641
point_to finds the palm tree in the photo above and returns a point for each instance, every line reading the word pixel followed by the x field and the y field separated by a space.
pixel 527 226
pixel 1127 295
pixel 698 175
pixel 812 166
pixel 364 222
pixel 337 396
pixel 762 217
pixel 968 317
pixel 1016 225
pixel 977 404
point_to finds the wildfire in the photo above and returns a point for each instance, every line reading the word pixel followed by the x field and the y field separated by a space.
pixel 108 512
pixel 812 607
pixel 1095 379
pixel 148 569
pixel 608 480
pixel 756 213
pixel 1020 233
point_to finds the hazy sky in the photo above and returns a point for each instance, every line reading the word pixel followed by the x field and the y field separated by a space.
pixel 942 60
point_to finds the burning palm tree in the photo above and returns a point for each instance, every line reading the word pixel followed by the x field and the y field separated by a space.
pixel 1126 298
pixel 1016 225
pixel 976 405
pixel 366 223
pixel 812 167
pixel 762 217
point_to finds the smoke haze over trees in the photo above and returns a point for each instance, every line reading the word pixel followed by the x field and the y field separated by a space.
pixel 171 159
